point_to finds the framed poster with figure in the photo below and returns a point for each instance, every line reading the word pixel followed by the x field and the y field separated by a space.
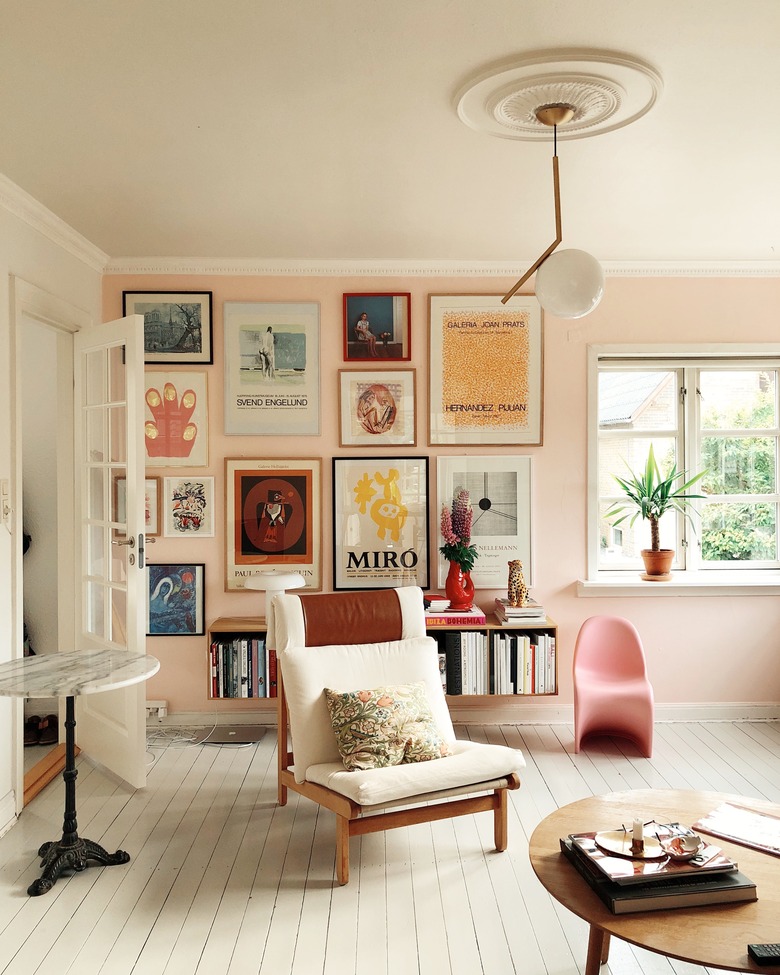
pixel 485 370
pixel 189 507
pixel 376 407
pixel 176 599
pixel 272 368
pixel 377 327
pixel 380 522
pixel 273 518
pixel 500 494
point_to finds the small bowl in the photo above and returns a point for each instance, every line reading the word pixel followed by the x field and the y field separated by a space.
pixel 682 848
pixel 438 605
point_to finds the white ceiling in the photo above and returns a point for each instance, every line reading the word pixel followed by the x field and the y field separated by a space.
pixel 327 129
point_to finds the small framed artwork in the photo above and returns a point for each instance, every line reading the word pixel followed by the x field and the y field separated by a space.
pixel 380 522
pixel 189 507
pixel 377 326
pixel 377 407
pixel 485 370
pixel 177 325
pixel 176 424
pixel 273 518
pixel 500 493
pixel 151 504
pixel 272 368
pixel 176 599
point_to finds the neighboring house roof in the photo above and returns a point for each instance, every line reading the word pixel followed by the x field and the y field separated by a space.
pixel 623 395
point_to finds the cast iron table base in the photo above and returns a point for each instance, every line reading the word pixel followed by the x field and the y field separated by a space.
pixel 71 852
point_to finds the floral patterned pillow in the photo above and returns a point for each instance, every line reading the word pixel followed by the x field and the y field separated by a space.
pixel 384 726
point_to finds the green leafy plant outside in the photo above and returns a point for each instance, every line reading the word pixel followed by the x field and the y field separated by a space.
pixel 650 494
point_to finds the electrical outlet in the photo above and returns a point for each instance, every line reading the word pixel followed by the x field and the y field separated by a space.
pixel 156 709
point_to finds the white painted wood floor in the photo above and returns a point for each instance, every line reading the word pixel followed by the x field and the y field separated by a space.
pixel 221 880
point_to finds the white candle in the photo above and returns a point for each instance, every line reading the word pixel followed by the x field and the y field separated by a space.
pixel 639 831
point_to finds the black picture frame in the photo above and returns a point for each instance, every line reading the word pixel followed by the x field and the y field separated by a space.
pixel 177 325
pixel 176 599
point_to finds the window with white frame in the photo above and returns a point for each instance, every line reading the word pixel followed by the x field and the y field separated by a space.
pixel 700 411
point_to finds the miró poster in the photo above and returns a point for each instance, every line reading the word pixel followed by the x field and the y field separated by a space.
pixel 380 522
pixel 485 370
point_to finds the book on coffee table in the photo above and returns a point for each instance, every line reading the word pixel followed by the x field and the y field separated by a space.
pixel 692 891
pixel 628 870
pixel 758 830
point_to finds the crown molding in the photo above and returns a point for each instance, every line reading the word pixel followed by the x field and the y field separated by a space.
pixel 428 269
pixel 16 201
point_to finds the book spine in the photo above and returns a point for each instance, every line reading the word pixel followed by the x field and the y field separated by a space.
pixel 262 675
pixel 455 620
pixel 452 650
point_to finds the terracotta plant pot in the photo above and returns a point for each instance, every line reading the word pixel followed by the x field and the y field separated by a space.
pixel 657 564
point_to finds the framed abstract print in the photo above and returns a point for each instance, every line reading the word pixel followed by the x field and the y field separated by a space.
pixel 177 325
pixel 485 370
pixel 272 368
pixel 380 522
pixel 377 407
pixel 189 507
pixel 176 599
pixel 273 518
pixel 176 425
pixel 500 493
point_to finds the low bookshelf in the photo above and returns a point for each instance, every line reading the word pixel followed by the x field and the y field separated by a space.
pixel 225 637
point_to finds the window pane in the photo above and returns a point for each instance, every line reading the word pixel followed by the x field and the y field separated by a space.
pixel 621 546
pixel 739 532
pixel 737 400
pixel 738 465
pixel 637 400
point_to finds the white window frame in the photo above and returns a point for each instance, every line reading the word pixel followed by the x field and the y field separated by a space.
pixel 692 579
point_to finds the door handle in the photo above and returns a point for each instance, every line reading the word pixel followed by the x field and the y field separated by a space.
pixel 124 541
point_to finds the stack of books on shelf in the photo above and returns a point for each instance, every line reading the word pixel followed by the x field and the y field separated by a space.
pixel 523 663
pixel 531 612
pixel 465 662
pixel 628 885
pixel 242 666
pixel 450 617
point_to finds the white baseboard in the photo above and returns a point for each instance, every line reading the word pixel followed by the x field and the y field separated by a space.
pixel 491 713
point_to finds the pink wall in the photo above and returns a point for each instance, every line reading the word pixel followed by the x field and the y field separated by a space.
pixel 729 643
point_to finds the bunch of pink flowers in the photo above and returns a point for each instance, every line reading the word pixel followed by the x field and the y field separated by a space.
pixel 456 532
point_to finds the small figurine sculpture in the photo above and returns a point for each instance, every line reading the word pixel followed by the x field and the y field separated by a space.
pixel 517 590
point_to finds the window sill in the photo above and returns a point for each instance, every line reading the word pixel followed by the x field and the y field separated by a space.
pixel 715 583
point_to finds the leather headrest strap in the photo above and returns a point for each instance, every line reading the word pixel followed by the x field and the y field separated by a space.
pixel 352 617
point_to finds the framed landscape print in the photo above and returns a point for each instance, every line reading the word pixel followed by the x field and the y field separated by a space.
pixel 500 494
pixel 272 368
pixel 380 522
pixel 177 325
pixel 176 599
pixel 377 407
pixel 151 504
pixel 176 429
pixel 189 507
pixel 485 370
pixel 273 518
pixel 377 326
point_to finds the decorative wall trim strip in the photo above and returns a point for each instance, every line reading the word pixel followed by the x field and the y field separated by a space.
pixel 16 201
pixel 410 268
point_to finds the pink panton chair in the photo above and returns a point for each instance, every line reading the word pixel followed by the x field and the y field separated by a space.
pixel 612 694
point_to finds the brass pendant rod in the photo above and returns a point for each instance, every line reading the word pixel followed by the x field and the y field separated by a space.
pixel 558 232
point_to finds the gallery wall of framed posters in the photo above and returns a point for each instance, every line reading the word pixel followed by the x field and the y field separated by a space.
pixel 485 370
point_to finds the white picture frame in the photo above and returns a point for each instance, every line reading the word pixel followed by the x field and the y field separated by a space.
pixel 188 507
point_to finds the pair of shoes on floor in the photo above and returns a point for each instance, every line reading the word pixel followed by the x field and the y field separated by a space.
pixel 41 731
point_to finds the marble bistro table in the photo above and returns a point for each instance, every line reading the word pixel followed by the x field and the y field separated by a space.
pixel 68 674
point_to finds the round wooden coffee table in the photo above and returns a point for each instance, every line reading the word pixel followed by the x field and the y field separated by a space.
pixel 715 936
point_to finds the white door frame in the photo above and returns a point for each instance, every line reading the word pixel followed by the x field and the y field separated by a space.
pixel 30 302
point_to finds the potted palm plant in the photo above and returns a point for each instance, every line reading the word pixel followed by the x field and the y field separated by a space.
pixel 649 495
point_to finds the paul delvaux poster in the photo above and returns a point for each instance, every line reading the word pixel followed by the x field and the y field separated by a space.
pixel 272 368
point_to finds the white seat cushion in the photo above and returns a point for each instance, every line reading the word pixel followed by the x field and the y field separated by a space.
pixel 470 763
pixel 307 671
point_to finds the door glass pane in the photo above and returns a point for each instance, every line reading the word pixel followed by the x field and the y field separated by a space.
pixel 95 609
pixel 96 444
pixel 117 434
pixel 116 374
pixel 96 550
pixel 117 630
pixel 119 554
pixel 96 494
pixel 94 377
pixel 118 498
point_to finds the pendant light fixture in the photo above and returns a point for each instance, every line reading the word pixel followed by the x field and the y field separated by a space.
pixel 569 283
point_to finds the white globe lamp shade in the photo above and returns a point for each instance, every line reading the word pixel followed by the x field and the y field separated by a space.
pixel 570 283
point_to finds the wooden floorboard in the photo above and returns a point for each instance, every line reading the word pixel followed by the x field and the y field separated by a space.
pixel 222 881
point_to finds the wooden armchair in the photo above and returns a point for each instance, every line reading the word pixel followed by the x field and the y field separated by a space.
pixel 359 641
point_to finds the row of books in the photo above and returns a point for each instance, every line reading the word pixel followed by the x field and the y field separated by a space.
pixel 628 885
pixel 242 666
pixel 472 662
pixel 524 663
